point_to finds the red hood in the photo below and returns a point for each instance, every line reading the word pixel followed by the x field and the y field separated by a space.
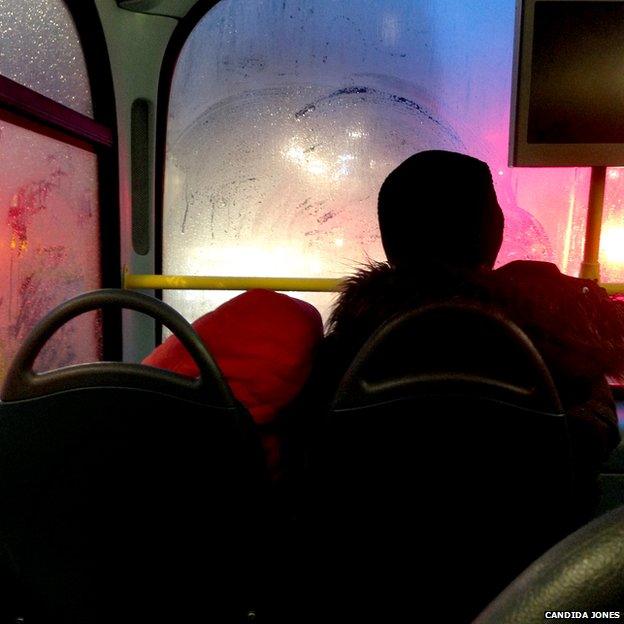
pixel 262 341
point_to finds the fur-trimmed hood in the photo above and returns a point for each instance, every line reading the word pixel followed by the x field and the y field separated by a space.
pixel 576 326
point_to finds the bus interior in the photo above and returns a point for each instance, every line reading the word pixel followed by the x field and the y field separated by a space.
pixel 186 151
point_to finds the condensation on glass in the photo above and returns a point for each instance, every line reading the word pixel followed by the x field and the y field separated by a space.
pixel 40 49
pixel 49 243
pixel 286 115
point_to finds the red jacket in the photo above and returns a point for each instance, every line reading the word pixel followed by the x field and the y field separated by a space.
pixel 263 342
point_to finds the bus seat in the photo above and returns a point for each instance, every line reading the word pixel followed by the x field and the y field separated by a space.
pixel 612 471
pixel 444 469
pixel 127 493
pixel 582 574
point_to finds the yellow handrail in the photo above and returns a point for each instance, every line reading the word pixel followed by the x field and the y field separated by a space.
pixel 222 282
pixel 614 288
pixel 213 282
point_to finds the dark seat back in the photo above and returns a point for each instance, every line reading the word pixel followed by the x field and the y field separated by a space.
pixel 445 468
pixel 582 574
pixel 128 493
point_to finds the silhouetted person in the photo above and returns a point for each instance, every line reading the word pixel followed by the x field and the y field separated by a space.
pixel 441 228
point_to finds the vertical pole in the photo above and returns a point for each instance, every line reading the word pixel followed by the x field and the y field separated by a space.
pixel 590 268
pixel 11 288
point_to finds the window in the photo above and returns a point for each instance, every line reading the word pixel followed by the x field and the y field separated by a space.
pixel 50 153
pixel 41 50
pixel 285 117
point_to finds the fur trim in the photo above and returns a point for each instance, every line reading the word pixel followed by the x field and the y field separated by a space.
pixel 576 326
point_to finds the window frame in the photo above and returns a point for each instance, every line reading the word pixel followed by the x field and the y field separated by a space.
pixel 26 108
pixel 185 27
pixel 178 38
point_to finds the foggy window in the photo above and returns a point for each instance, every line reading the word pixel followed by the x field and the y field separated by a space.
pixel 49 219
pixel 286 115
pixel 40 49
pixel 49 243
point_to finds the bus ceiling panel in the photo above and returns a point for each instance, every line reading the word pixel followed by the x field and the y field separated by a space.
pixel 136 45
pixel 171 8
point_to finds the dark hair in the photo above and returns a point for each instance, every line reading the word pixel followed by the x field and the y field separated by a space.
pixel 440 207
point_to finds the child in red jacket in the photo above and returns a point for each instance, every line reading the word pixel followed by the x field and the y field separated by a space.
pixel 264 343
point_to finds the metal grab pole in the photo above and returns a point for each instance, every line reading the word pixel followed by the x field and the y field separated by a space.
pixel 197 282
pixel 615 288
pixel 292 284
pixel 590 268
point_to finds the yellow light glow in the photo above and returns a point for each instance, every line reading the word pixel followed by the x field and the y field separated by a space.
pixel 315 267
pixel 612 244
pixel 276 260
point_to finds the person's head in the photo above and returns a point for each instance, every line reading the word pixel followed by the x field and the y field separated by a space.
pixel 440 207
